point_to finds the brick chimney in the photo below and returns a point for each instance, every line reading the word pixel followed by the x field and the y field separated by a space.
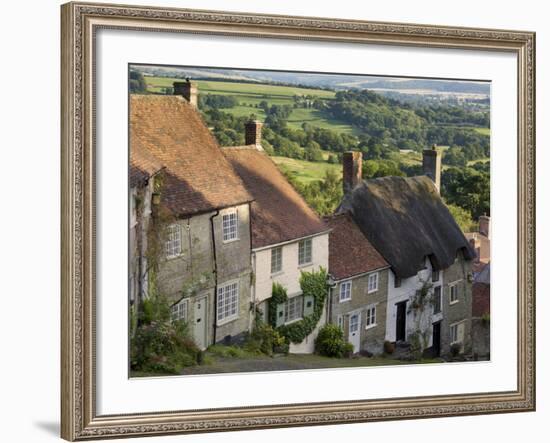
pixel 485 226
pixel 476 246
pixel 431 165
pixel 188 90
pixel 353 169
pixel 253 132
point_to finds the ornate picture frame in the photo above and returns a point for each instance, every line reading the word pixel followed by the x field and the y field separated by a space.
pixel 80 22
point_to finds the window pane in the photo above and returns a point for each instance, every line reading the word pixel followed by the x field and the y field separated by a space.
pixel 276 260
pixel 293 308
pixel 229 225
pixel 228 301
pixel 172 245
pixel 304 251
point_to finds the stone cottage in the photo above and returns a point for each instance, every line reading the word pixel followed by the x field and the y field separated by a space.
pixel 358 298
pixel 144 170
pixel 287 236
pixel 201 209
pixel 429 285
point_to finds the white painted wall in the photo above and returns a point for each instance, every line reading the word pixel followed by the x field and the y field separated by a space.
pixel 408 289
pixel 289 277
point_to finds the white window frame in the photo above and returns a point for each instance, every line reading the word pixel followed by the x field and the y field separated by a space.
pixel 344 291
pixel 354 327
pixel 279 259
pixel 297 313
pixel 303 256
pixel 436 273
pixel 453 333
pixel 172 245
pixel 370 316
pixel 230 226
pixel 180 310
pixel 453 287
pixel 456 337
pixel 374 288
pixel 227 309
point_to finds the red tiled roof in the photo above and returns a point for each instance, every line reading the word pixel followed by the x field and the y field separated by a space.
pixel 197 177
pixel 481 299
pixel 350 253
pixel 143 165
pixel 279 213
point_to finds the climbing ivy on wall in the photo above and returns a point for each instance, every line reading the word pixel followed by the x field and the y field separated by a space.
pixel 313 284
pixel 278 296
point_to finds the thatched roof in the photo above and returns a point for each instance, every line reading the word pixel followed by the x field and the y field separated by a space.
pixel 406 221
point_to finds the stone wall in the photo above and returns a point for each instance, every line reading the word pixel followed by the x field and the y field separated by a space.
pixel 461 311
pixel 372 339
pixel 192 273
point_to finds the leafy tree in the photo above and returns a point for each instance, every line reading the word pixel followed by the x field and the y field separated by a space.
pixel 462 218
pixel 468 189
pixel 137 83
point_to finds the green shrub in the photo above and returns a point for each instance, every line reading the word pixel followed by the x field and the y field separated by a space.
pixel 158 344
pixel 163 347
pixel 330 342
pixel 347 350
pixel 266 340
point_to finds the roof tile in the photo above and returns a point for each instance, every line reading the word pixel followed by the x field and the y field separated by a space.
pixel 198 178
pixel 279 213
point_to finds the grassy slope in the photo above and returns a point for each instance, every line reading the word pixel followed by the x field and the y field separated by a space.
pixel 484 131
pixel 306 171
pixel 250 95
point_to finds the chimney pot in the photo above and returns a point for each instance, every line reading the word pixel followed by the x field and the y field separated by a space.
pixel 188 90
pixel 431 165
pixel 353 169
pixel 253 132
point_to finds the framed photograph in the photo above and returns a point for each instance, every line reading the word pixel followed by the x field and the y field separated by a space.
pixel 277 221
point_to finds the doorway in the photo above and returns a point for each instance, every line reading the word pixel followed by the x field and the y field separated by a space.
pixel 401 321
pixel 199 326
pixel 354 336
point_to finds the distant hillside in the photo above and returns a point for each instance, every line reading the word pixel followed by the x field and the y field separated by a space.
pixel 324 81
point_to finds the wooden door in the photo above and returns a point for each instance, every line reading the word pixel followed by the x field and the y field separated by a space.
pixel 354 336
pixel 199 326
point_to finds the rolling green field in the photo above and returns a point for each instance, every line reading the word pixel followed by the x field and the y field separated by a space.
pixel 306 171
pixel 251 94
pixel 484 131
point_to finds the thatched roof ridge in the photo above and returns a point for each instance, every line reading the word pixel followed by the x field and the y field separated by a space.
pixel 406 220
